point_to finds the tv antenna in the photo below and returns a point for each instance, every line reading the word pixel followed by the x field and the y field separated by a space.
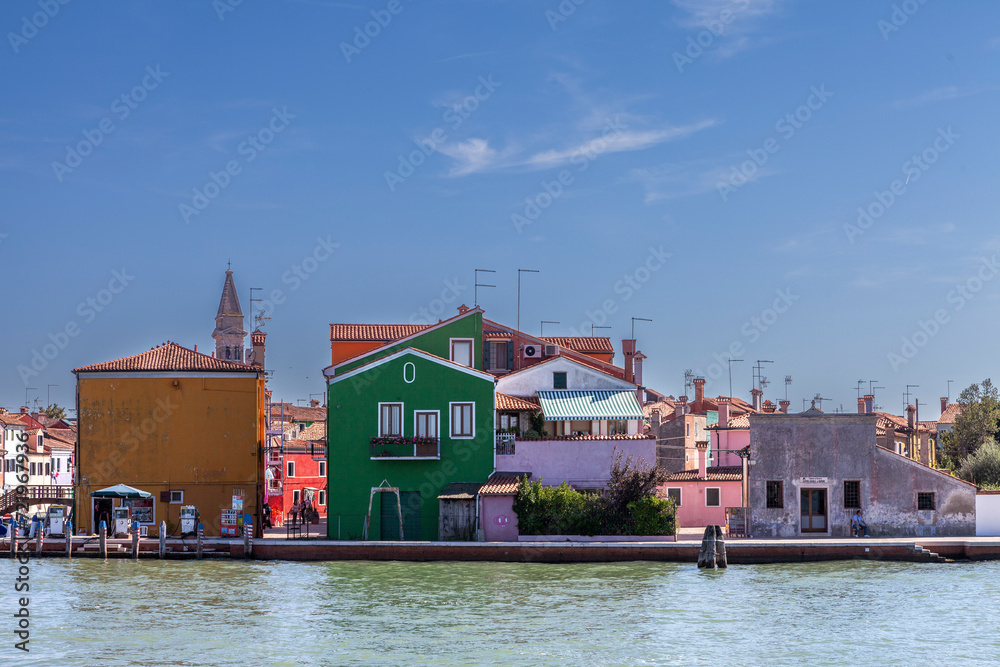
pixel 759 380
pixel 788 381
pixel 639 319
pixel 475 295
pixel 819 398
pixel 731 360
pixel 594 326
pixel 906 394
pixel 688 382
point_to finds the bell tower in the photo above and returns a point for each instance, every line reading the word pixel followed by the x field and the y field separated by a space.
pixel 229 333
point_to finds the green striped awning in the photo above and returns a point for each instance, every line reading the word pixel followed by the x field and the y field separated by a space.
pixel 589 404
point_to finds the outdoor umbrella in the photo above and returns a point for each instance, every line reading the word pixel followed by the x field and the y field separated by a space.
pixel 120 491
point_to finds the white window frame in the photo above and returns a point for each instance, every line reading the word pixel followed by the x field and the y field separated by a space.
pixel 296 496
pixel 322 469
pixel 437 417
pixel 321 497
pixel 451 419
pixel 472 350
pixel 680 494
pixel 180 499
pixel 378 417
pixel 289 468
pixel 717 488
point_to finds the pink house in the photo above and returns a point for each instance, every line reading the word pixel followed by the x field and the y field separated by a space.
pixel 703 495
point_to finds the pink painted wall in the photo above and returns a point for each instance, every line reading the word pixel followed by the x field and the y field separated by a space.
pixel 496 516
pixel 580 462
pixel 733 440
pixel 693 513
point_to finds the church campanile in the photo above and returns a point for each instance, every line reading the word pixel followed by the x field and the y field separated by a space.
pixel 229 333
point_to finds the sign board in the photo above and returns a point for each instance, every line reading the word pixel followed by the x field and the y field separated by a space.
pixel 815 480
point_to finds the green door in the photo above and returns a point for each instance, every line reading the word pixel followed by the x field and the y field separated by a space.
pixel 410 501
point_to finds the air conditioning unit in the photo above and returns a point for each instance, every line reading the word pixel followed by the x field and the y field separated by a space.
pixel 551 350
pixel 532 351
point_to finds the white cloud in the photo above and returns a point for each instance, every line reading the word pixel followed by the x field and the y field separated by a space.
pixel 939 95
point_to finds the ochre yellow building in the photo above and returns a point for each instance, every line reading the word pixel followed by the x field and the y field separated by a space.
pixel 184 426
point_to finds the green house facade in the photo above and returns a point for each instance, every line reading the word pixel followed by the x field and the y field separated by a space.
pixel 412 416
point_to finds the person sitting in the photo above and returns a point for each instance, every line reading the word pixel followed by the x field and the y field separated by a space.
pixel 858 524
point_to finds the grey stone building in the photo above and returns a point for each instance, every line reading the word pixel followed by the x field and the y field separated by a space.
pixel 812 471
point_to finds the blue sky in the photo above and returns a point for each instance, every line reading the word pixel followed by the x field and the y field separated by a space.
pixel 699 164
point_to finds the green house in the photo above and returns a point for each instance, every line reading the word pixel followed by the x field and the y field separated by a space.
pixel 404 420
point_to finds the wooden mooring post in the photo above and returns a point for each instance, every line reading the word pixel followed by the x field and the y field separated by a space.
pixel 706 556
pixel 135 540
pixel 39 540
pixel 103 532
pixel 12 534
pixel 720 548
pixel 247 536
pixel 163 539
pixel 200 532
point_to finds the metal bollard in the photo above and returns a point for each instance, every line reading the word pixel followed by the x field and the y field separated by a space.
pixel 247 536
pixel 102 530
pixel 163 539
pixel 69 539
pixel 135 540
pixel 201 539
pixel 720 548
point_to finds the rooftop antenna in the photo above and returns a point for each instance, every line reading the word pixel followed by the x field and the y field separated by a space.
pixel 541 328
pixel 519 272
pixel 26 389
pixel 475 295
pixel 731 360
pixel 819 398
pixel 860 382
pixel 593 326
pixel 252 300
pixel 759 380
pixel 871 389
pixel 906 395
pixel 688 382
pixel 949 391
pixel 788 381
pixel 634 320
pixel 875 407
pixel 320 394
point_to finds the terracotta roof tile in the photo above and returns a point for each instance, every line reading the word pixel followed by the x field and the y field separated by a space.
pixel 950 414
pixel 14 420
pixel 502 483
pixel 168 357
pixel 375 332
pixel 714 474
pixel 505 402
pixel 315 432
pixel 584 344
pixel 298 413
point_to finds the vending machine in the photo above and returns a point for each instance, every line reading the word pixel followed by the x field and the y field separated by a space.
pixel 189 519
pixel 55 520
pixel 123 520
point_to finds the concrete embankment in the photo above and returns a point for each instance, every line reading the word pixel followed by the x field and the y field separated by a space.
pixel 740 551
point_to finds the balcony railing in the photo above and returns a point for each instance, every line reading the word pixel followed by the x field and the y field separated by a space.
pixel 505 444
pixel 392 447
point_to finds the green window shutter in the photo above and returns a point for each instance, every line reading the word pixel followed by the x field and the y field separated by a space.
pixel 486 355
pixel 510 355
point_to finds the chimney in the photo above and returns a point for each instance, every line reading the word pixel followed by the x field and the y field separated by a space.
pixel 702 447
pixel 723 413
pixel 314 403
pixel 769 407
pixel 861 405
pixel 654 420
pixel 628 350
pixel 869 403
pixel 944 404
pixel 755 395
pixel 24 410
pixel 909 415
pixel 680 407
pixel 637 374
pixel 784 406
pixel 699 390
pixel 463 309
pixel 257 340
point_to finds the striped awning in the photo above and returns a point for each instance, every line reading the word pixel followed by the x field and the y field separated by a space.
pixel 589 404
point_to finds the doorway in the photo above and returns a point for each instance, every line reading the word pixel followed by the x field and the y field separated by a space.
pixel 102 512
pixel 813 511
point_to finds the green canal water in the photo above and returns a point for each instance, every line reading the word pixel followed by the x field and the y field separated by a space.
pixel 88 612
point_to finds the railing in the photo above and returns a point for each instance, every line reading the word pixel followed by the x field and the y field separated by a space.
pixel 505 444
pixel 405 448
pixel 34 495
pixel 273 458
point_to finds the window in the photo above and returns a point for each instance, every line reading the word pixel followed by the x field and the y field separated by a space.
pixel 712 497
pixel 177 497
pixel 674 494
pixel 559 380
pixel 228 353
pixel 390 419
pixel 498 356
pixel 291 469
pixel 461 351
pixel 852 495
pixel 322 468
pixel 322 498
pixel 296 494
pixel 925 501
pixel 31 468
pixel 688 431
pixel 462 415
pixel 426 424
pixel 775 495
pixel 48 468
pixel 617 427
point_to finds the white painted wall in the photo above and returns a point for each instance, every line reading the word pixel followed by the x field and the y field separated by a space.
pixel 578 377
pixel 988 515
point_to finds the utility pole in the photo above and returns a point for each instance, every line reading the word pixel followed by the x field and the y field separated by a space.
pixel 949 391
pixel 519 272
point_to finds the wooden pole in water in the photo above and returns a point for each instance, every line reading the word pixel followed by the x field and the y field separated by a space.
pixel 103 531
pixel 135 540
pixel 39 540
pixel 68 529
pixel 163 539
pixel 720 548
pixel 247 539
pixel 201 540
pixel 706 557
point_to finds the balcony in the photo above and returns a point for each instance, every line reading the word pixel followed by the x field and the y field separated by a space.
pixel 404 448
pixel 505 444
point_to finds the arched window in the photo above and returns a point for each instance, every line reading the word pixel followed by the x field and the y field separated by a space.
pixel 228 353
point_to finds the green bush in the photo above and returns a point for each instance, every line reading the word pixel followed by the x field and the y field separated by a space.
pixel 982 467
pixel 653 516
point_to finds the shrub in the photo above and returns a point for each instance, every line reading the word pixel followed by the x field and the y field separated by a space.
pixel 653 516
pixel 982 467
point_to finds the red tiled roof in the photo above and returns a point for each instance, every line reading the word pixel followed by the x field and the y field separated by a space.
pixel 14 420
pixel 168 357
pixel 584 344
pixel 502 483
pixel 743 421
pixel 374 332
pixel 505 402
pixel 714 474
pixel 950 414
pixel 298 413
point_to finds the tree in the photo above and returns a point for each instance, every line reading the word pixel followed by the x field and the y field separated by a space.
pixel 977 424
pixel 55 411
pixel 982 467
pixel 631 481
